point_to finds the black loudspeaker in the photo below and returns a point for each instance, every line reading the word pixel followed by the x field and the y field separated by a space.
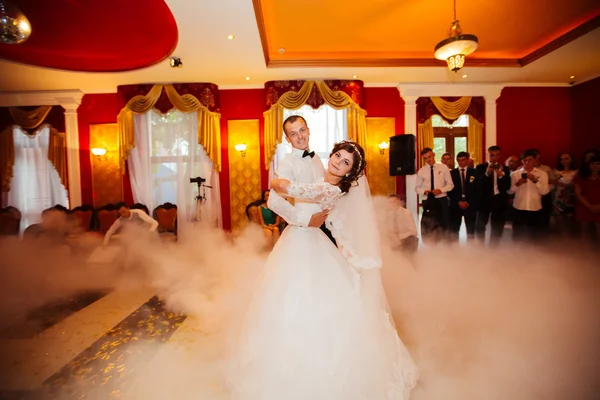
pixel 402 155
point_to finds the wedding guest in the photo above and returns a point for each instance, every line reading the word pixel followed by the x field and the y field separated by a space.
pixel 587 190
pixel 464 197
pixel 547 198
pixel 513 163
pixel 494 197
pixel 269 221
pixel 447 160
pixel 529 184
pixel 564 196
pixel 252 212
pixel 403 233
pixel 587 156
pixel 130 218
pixel 434 182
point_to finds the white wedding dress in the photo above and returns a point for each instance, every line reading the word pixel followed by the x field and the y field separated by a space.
pixel 311 331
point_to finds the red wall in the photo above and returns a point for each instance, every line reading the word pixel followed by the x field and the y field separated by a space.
pixel 386 102
pixel 585 109
pixel 534 117
pixel 550 119
pixel 94 109
pixel 239 104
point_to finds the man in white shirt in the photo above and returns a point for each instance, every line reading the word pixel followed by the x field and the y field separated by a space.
pixel 547 206
pixel 302 165
pixel 131 218
pixel 528 184
pixel 403 230
pixel 434 182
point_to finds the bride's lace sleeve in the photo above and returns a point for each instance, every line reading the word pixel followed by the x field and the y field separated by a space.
pixel 322 193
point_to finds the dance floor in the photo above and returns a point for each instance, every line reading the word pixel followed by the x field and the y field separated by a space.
pixel 89 353
pixel 510 323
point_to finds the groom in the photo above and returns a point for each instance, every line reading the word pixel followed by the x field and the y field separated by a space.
pixel 303 166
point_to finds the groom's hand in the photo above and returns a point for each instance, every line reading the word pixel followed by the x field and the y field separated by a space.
pixel 318 219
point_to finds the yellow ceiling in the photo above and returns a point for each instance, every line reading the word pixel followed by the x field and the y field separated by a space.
pixel 405 32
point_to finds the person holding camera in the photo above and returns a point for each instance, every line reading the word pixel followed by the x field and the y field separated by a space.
pixel 529 184
pixel 494 197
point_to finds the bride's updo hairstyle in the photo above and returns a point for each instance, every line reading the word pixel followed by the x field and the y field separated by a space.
pixel 358 167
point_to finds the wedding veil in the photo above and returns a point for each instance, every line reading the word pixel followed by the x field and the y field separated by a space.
pixel 354 225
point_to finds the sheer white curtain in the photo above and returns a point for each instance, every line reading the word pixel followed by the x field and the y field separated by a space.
pixel 35 185
pixel 327 126
pixel 166 156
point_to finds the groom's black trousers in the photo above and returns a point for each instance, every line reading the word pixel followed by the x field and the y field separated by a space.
pixel 328 233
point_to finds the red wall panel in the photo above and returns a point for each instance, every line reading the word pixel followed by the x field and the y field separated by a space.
pixel 534 117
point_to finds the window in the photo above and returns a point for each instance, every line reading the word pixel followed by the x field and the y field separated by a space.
pixel 166 156
pixel 327 126
pixel 449 138
pixel 35 185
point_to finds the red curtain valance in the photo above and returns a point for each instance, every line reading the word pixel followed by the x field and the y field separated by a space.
pixel 207 93
pixel 274 90
pixel 56 117
pixel 426 108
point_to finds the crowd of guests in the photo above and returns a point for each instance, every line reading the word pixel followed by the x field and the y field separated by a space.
pixel 536 198
pixel 533 198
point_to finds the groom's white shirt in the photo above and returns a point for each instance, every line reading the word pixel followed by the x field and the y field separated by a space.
pixel 296 168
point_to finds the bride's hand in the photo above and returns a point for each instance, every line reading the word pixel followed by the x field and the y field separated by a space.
pixel 280 185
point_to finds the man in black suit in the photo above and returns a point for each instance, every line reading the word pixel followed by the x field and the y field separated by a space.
pixel 494 199
pixel 464 198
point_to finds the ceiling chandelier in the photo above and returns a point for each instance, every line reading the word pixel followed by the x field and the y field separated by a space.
pixel 14 26
pixel 456 46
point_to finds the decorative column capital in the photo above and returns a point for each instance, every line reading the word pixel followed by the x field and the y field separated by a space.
pixel 68 99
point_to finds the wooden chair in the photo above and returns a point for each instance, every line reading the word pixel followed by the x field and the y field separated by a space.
pixel 166 215
pixel 83 217
pixel 140 206
pixel 10 221
pixel 104 217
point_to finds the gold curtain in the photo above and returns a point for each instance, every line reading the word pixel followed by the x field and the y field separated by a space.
pixel 475 140
pixel 209 123
pixel 357 124
pixel 7 156
pixel 425 131
pixel 451 109
pixel 31 120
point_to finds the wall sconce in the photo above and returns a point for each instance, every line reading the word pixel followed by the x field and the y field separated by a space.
pixel 99 152
pixel 241 148
pixel 383 146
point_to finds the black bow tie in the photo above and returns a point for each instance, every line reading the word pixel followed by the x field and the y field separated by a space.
pixel 308 154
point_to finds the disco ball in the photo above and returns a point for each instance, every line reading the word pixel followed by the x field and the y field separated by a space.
pixel 14 26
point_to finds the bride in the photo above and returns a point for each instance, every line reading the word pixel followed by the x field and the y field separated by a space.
pixel 318 326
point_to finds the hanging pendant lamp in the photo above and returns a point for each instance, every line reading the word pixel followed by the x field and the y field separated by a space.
pixel 456 46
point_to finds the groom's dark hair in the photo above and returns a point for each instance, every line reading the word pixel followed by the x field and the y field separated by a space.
pixel 292 119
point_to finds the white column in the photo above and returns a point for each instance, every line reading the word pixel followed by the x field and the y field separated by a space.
pixel 491 135
pixel 410 127
pixel 73 165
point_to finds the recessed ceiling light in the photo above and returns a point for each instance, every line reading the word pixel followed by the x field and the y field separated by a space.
pixel 281 50
pixel 230 37
pixel 247 78
pixel 572 77
pixel 465 75
pixel 354 76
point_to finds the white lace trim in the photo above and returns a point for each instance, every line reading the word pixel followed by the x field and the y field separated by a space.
pixel 322 193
